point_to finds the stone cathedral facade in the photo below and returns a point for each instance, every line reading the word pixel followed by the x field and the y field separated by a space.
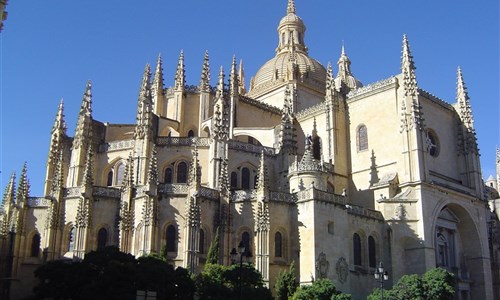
pixel 306 165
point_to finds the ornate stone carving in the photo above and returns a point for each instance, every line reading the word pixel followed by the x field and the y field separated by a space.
pixel 322 266
pixel 342 269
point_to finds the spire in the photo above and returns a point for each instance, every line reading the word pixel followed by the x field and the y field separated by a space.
pixel 287 129
pixel 263 180
pixel 241 77
pixel 291 7
pixel 89 166
pixel 84 124
pixel 194 169
pixel 128 174
pixel 144 107
pixel 220 118
pixel 180 77
pixel 158 78
pixel 153 167
pixel 23 187
pixel 58 181
pixel 10 193
pixel 58 131
pixel 330 86
pixel 233 78
pixel 408 70
pixel 205 74
pixel 463 102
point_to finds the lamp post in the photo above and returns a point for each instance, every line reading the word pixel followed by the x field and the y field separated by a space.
pixel 381 275
pixel 241 251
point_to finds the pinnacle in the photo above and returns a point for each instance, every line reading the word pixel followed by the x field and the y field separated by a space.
pixel 291 7
pixel 205 73
pixel 86 107
pixel 180 77
pixel 59 123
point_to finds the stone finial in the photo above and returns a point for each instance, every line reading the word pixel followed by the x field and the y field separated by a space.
pixel 205 74
pixel 180 76
pixel 9 194
pixel 58 131
pixel 233 78
pixel 408 70
pixel 287 129
pixel 262 177
pixel 241 77
pixel 158 77
pixel 153 167
pixel 195 169
pixel 463 101
pixel 58 181
pixel 144 107
pixel 498 167
pixel 60 123
pixel 330 86
pixel 87 180
pixel 224 185
pixel 83 131
pixel 128 174
pixel 23 187
pixel 291 7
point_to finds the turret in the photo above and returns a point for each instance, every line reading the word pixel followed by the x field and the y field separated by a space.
pixel 291 31
pixel 345 81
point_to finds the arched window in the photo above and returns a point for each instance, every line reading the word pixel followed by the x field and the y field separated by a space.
pixel 109 181
pixel 356 246
pixel 168 175
pixel 35 245
pixel 171 238
pixel 245 238
pixel 278 245
pixel 234 180
pixel 182 172
pixel 362 138
pixel 102 238
pixel 202 241
pixel 119 173
pixel 191 133
pixel 316 148
pixel 245 178
pixel 372 256
pixel 71 239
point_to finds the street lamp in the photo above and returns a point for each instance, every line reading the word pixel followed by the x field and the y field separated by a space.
pixel 242 251
pixel 381 275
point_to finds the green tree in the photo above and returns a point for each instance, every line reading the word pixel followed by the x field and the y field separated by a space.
pixel 223 282
pixel 407 287
pixel 214 250
pixel 321 289
pixel 286 283
pixel 438 284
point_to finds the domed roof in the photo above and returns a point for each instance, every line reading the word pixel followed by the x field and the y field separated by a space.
pixel 291 61
pixel 281 68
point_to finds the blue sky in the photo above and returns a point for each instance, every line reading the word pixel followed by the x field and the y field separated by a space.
pixel 49 49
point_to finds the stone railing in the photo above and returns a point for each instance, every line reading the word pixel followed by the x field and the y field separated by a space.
pixel 313 165
pixel 243 195
pixel 246 147
pixel 38 202
pixel 116 145
pixel 175 188
pixel 314 194
pixel 208 193
pixel 364 212
pixel 315 109
pixel 282 197
pixel 182 141
pixel 73 191
pixel 104 191
pixel 372 87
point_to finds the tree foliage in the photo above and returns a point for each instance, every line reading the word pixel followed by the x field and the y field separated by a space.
pixel 111 274
pixel 223 282
pixel 286 283
pixel 435 284
pixel 321 289
pixel 213 250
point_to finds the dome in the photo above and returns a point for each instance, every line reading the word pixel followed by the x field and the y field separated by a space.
pixel 280 68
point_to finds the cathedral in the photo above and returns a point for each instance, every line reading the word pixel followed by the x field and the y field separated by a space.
pixel 305 164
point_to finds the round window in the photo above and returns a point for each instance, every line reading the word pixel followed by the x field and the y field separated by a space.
pixel 432 144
